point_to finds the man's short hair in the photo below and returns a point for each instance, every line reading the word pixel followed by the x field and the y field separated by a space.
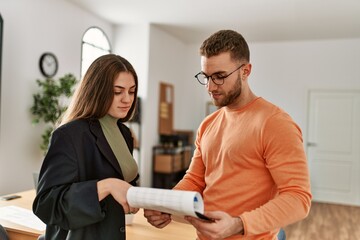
pixel 226 41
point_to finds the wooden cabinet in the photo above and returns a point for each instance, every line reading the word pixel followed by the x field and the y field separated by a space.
pixel 171 158
pixel 170 165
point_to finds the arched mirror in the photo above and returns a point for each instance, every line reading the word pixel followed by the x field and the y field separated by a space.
pixel 94 44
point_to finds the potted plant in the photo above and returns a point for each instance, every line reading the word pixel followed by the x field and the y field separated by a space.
pixel 50 103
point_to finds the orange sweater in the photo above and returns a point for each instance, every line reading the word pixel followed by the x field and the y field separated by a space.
pixel 250 162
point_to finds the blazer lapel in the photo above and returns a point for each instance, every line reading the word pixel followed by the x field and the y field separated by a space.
pixel 103 145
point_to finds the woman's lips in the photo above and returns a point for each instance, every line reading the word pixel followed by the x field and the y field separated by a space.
pixel 124 108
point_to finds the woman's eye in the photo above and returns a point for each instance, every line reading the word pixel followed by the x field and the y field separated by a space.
pixel 117 93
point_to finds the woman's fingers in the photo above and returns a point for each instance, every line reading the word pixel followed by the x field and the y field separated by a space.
pixel 134 210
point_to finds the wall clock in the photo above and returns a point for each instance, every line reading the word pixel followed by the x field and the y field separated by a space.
pixel 48 64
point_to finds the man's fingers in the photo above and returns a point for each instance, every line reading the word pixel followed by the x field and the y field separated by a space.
pixel 156 218
pixel 149 213
pixel 164 224
pixel 159 223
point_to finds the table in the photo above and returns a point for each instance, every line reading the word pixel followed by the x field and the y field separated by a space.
pixel 15 231
pixel 139 229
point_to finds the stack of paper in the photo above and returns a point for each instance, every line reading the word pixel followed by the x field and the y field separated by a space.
pixel 21 216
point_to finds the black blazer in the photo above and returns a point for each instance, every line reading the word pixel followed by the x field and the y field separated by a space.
pixel 67 199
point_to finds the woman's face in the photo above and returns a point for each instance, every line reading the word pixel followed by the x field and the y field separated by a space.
pixel 124 95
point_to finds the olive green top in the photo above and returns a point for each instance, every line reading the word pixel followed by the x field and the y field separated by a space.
pixel 118 145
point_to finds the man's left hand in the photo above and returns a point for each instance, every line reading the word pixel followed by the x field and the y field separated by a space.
pixel 223 226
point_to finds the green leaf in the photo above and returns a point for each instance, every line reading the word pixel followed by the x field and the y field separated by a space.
pixel 46 105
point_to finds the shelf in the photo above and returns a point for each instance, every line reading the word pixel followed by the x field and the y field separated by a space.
pixel 170 165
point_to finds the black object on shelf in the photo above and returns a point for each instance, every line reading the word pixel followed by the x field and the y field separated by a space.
pixel 175 140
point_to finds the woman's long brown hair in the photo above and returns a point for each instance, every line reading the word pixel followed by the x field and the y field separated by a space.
pixel 94 95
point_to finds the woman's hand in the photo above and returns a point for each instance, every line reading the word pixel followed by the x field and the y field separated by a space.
pixel 118 189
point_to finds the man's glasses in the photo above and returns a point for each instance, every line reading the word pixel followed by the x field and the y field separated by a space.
pixel 217 78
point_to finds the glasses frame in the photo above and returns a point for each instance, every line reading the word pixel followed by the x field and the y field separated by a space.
pixel 216 79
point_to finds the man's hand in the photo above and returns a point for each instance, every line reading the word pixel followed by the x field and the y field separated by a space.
pixel 156 218
pixel 223 226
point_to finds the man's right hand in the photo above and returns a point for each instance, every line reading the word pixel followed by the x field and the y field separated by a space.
pixel 156 218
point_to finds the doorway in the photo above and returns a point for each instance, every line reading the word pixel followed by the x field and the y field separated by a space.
pixel 333 146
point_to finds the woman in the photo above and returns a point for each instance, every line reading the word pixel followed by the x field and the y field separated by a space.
pixel 89 165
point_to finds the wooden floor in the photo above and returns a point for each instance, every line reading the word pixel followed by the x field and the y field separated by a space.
pixel 327 222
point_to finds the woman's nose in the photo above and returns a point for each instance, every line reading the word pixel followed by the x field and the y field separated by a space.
pixel 126 98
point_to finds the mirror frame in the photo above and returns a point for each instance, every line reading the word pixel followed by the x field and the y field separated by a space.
pixel 1 43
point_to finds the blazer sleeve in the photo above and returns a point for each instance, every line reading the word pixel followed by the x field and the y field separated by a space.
pixel 61 198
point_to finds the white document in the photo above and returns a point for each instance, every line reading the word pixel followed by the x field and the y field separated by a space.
pixel 22 217
pixel 176 202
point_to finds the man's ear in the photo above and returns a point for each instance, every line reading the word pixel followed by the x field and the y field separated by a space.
pixel 247 70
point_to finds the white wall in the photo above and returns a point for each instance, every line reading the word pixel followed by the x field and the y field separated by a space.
pixel 158 57
pixel 32 27
pixel 132 42
pixel 166 56
pixel 284 72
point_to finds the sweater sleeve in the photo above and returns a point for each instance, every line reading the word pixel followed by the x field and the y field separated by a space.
pixel 194 180
pixel 286 161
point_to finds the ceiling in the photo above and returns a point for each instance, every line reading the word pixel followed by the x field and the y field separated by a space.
pixel 258 20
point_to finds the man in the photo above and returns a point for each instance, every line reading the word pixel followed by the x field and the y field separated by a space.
pixel 249 163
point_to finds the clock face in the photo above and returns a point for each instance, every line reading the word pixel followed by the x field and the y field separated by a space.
pixel 48 64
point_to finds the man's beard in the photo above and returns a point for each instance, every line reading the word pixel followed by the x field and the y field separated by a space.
pixel 231 96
